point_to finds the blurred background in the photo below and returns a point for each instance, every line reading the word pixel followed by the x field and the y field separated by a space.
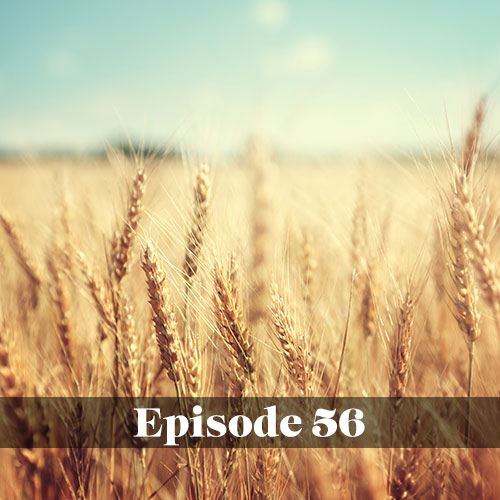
pixel 317 79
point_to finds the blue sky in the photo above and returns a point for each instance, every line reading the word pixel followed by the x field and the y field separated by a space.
pixel 313 77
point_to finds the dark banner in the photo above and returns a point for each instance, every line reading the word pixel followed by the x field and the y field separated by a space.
pixel 249 422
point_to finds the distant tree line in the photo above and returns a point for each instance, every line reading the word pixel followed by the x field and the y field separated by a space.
pixel 147 149
pixel 127 147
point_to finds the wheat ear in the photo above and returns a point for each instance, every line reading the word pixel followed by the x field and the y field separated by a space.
pixel 23 257
pixel 259 233
pixel 12 388
pixel 99 292
pixel 129 349
pixel 471 143
pixel 474 230
pixel 359 230
pixel 233 330
pixel 164 318
pixel 464 295
pixel 404 481
pixel 400 362
pixel 309 267
pixel 293 347
pixel 193 368
pixel 122 244
pixel 401 349
pixel 266 472
pixel 198 223
pixel 368 308
pixel 61 300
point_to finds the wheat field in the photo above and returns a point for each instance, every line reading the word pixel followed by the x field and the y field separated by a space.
pixel 151 277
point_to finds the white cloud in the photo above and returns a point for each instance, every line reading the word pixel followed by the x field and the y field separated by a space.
pixel 270 12
pixel 60 63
